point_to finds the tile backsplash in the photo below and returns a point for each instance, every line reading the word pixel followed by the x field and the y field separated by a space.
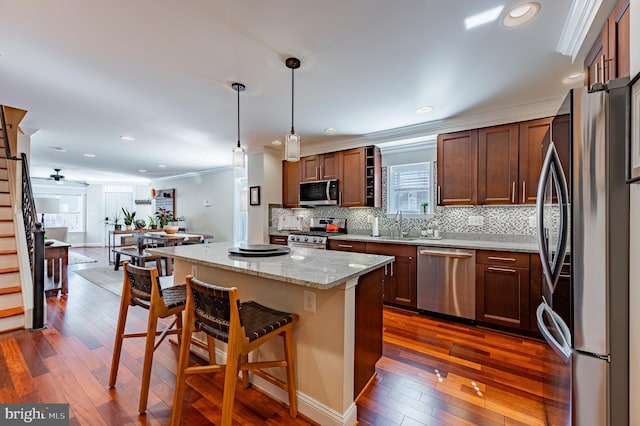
pixel 499 220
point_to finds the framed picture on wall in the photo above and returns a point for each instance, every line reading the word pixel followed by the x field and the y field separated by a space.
pixel 633 149
pixel 254 196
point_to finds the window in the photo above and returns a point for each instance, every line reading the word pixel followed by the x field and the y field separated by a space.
pixel 409 186
pixel 62 210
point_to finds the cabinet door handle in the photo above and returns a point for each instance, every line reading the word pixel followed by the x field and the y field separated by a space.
pixel 524 192
pixel 505 259
pixel 340 198
pixel 513 193
pixel 320 175
pixel 316 173
pixel 280 240
pixel 391 268
pixel 439 200
pixel 492 268
pixel 345 246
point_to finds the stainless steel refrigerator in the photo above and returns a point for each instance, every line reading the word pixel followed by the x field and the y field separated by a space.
pixel 589 379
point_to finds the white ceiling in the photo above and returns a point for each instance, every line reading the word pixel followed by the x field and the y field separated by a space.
pixel 88 72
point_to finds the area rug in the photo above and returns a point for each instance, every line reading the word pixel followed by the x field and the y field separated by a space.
pixel 111 280
pixel 76 258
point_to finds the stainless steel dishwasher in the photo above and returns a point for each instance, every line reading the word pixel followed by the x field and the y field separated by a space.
pixel 447 281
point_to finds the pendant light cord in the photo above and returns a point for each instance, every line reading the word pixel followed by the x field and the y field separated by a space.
pixel 292 87
pixel 238 116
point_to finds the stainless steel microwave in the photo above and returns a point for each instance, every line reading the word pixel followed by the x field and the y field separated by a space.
pixel 319 193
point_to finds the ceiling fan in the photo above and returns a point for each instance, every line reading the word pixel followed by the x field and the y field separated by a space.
pixel 57 177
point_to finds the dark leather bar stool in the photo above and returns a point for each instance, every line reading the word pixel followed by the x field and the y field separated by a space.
pixel 141 287
pixel 218 313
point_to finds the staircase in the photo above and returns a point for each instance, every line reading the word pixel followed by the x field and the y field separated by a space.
pixel 11 307
pixel 12 312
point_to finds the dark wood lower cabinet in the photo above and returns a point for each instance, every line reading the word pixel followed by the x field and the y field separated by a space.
pixel 400 277
pixel 277 239
pixel 502 289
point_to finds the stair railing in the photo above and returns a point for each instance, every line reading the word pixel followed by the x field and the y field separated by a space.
pixel 33 230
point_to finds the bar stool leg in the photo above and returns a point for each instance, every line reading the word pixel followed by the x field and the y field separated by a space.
pixel 117 346
pixel 289 356
pixel 148 360
pixel 230 379
pixel 183 363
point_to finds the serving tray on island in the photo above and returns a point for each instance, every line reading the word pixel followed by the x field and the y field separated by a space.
pixel 259 250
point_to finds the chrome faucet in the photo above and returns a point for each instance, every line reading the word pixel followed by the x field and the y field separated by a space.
pixel 398 219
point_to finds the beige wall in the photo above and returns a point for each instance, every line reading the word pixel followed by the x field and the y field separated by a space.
pixel 634 271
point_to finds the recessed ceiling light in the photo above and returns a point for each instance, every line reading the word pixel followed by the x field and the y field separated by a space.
pixel 424 109
pixel 519 14
pixel 573 78
pixel 58 148
pixel 483 17
pixel 162 166
pixel 89 155
pixel 127 138
pixel 330 130
pixel 276 142
pixel 142 171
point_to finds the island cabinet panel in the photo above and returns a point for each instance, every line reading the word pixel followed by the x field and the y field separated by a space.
pixel 368 321
pixel 352 182
pixel 278 239
pixel 291 184
pixel 457 168
pixel 355 246
pixel 399 277
pixel 502 289
pixel 498 164
pixel 319 167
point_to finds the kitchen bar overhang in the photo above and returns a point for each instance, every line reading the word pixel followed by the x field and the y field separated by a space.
pixel 338 296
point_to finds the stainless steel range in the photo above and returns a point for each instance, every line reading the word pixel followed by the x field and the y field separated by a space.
pixel 318 235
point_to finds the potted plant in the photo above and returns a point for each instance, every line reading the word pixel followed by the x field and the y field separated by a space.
pixel 129 217
pixel 152 222
pixel 164 216
pixel 115 221
pixel 425 207
pixel 139 223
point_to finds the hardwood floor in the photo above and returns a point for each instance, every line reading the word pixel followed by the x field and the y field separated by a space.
pixel 426 376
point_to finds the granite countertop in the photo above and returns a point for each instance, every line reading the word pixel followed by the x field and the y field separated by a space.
pixel 514 246
pixel 320 269
pixel 514 243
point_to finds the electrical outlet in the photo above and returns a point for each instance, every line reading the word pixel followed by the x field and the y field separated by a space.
pixel 532 221
pixel 194 270
pixel 476 220
pixel 310 301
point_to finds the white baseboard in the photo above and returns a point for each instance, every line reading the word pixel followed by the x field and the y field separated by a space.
pixel 308 406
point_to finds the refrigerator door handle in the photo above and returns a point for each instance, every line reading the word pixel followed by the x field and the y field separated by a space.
pixel 562 347
pixel 552 168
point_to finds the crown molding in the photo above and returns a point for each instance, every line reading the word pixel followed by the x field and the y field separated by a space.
pixel 576 26
pixel 427 131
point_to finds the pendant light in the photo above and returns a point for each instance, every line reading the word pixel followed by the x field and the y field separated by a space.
pixel 238 151
pixel 292 141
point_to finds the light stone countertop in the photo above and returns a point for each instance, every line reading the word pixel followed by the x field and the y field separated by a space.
pixel 519 243
pixel 514 246
pixel 320 269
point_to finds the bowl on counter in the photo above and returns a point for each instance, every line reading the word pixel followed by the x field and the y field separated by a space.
pixel 170 229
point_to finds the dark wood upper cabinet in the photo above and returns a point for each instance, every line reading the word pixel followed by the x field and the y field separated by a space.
pixel 535 136
pixel 352 182
pixel 319 167
pixel 457 168
pixel 609 56
pixel 291 183
pixel 498 164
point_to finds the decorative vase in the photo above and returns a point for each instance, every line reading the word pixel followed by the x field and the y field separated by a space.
pixel 117 227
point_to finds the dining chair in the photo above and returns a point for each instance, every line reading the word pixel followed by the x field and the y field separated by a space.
pixel 218 312
pixel 141 287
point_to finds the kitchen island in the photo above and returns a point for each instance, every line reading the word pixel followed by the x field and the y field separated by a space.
pixel 338 297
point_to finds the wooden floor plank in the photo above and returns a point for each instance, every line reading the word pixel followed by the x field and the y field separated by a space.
pixel 427 376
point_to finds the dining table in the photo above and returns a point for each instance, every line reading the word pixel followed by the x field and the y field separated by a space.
pixel 56 255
